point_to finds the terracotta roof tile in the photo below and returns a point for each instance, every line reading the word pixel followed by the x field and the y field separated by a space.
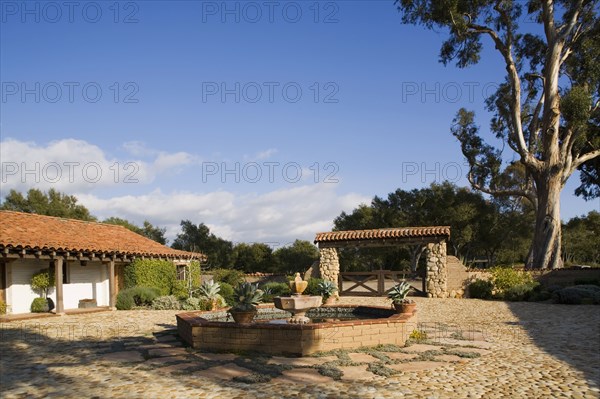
pixel 374 234
pixel 38 232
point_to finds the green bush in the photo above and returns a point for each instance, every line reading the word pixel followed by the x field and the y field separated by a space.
pixel 274 289
pixel 577 295
pixel 520 292
pixel 481 289
pixel 39 305
pixel 313 286
pixel 230 276
pixel 227 293
pixel 587 281
pixel 180 289
pixel 125 300
pixel 136 296
pixel 2 307
pixel 42 281
pixel 168 302
pixel 505 278
pixel 161 274
pixel 195 304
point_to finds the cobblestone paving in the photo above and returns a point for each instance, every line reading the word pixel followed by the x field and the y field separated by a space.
pixel 475 349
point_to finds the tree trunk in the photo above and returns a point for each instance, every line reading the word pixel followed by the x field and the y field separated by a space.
pixel 415 254
pixel 545 252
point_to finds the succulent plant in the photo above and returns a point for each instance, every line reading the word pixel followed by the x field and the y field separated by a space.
pixel 326 288
pixel 209 289
pixel 246 297
pixel 398 293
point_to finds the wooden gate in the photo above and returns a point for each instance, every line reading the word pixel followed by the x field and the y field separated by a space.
pixel 377 283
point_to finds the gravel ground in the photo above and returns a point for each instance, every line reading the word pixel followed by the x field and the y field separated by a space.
pixel 527 350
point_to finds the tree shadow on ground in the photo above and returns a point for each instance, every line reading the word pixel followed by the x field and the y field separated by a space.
pixel 570 333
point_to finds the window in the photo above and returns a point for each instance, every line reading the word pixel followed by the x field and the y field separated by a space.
pixel 181 272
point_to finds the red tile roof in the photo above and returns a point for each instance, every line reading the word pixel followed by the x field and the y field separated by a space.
pixel 20 230
pixel 378 234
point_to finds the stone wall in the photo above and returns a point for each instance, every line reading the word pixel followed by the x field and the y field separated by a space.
pixel 437 272
pixel 329 264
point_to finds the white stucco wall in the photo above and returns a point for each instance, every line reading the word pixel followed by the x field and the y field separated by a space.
pixel 90 281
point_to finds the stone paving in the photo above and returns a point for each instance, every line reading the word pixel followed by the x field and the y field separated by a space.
pixel 474 349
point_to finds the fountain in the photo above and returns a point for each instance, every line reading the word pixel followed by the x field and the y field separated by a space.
pixel 298 304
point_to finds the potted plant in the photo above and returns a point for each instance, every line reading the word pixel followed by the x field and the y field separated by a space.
pixel 328 290
pixel 41 282
pixel 210 291
pixel 399 301
pixel 246 296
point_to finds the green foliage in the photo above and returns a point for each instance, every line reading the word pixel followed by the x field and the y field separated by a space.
pixel 52 203
pixel 520 292
pixel 255 257
pixel 399 292
pixel 136 296
pixel 199 239
pixel 42 281
pixel 299 256
pixel 39 305
pixel 161 274
pixel 326 288
pixel 196 304
pixel 124 300
pixel 580 239
pixel 505 278
pixel 587 281
pixel 246 296
pixel 577 295
pixel 209 290
pixel 230 276
pixel 180 289
pixel 227 292
pixel 168 302
pixel 148 230
pixel 481 289
pixel 2 307
pixel 273 289
pixel 313 286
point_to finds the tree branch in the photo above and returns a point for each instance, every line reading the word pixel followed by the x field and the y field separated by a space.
pixel 584 158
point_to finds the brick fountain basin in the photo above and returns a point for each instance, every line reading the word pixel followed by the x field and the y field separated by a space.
pixel 380 325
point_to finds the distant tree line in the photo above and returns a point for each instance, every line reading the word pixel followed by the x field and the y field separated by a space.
pixel 498 231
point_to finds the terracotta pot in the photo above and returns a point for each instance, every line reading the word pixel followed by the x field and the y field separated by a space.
pixel 243 317
pixel 330 301
pixel 405 307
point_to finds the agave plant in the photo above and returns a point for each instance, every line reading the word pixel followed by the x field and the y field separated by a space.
pixel 246 297
pixel 398 293
pixel 326 288
pixel 211 290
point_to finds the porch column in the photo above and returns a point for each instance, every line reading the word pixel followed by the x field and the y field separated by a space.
pixel 58 277
pixel 111 285
pixel 329 264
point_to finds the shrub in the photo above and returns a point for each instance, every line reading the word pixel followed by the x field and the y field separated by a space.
pixel 161 274
pixel 587 281
pixel 227 293
pixel 230 276
pixel 274 289
pixel 39 305
pixel 313 286
pixel 2 307
pixel 167 302
pixel 42 281
pixel 578 294
pixel 196 304
pixel 124 300
pixel 520 292
pixel 180 289
pixel 136 296
pixel 481 289
pixel 505 278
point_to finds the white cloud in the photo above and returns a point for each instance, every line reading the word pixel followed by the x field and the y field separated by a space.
pixel 77 166
pixel 261 155
pixel 277 217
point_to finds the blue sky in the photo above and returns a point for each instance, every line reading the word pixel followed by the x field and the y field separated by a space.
pixel 263 120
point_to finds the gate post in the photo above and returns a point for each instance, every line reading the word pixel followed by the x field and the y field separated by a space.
pixel 437 272
pixel 329 265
